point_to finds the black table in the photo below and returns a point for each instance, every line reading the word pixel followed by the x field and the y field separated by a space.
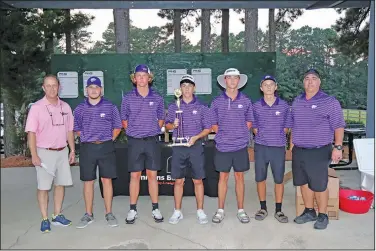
pixel 351 133
pixel 166 183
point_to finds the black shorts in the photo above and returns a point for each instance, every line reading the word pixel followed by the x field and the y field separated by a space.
pixel 188 157
pixel 275 155
pixel 239 160
pixel 144 153
pixel 101 155
pixel 310 166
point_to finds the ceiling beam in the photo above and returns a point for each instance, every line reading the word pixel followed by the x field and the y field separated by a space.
pixel 5 6
pixel 200 4
pixel 339 4
pixel 218 4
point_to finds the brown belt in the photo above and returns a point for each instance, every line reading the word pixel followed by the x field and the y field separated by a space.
pixel 97 142
pixel 56 149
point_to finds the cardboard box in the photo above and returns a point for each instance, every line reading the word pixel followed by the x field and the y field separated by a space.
pixel 333 203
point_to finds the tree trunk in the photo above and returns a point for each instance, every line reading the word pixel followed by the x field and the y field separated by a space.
pixel 121 22
pixel 10 146
pixel 251 26
pixel 68 34
pixel 177 30
pixel 272 35
pixel 225 30
pixel 48 46
pixel 205 30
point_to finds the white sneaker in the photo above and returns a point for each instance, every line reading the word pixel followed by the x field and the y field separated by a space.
pixel 202 217
pixel 131 217
pixel 157 215
pixel 219 216
pixel 176 217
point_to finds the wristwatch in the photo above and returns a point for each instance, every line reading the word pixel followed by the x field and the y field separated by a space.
pixel 338 147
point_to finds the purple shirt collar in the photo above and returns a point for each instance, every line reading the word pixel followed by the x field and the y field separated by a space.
pixel 88 103
pixel 192 101
pixel 227 97
pixel 317 95
pixel 150 93
pixel 263 103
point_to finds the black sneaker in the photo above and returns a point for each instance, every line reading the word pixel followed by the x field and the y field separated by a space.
pixel 306 216
pixel 322 221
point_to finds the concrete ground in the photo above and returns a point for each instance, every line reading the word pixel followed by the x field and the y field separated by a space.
pixel 20 221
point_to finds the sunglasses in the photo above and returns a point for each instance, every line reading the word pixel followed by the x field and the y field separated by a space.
pixel 62 115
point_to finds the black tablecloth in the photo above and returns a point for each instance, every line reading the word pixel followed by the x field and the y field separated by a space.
pixel 121 183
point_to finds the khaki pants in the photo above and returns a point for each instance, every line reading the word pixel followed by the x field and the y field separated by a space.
pixel 56 162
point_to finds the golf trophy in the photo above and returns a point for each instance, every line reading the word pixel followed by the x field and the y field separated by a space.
pixel 180 139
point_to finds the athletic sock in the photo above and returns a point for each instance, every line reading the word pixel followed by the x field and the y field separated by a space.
pixel 278 207
pixel 263 205
pixel 154 206
pixel 310 210
pixel 133 207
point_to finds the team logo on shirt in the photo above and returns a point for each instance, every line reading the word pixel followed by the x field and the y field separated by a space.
pixel 314 106
pixel 151 103
pixel 240 106
pixel 102 115
pixel 194 112
pixel 277 113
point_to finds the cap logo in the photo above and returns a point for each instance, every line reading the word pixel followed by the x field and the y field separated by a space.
pixel 267 76
pixel 92 80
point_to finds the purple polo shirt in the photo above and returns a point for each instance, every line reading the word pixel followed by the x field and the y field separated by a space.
pixel 96 122
pixel 196 117
pixel 142 113
pixel 314 120
pixel 270 122
pixel 232 116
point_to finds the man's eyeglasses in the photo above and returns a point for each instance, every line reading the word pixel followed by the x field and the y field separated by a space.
pixel 52 120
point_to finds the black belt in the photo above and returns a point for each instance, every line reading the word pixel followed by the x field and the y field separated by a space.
pixel 310 148
pixel 96 142
pixel 145 138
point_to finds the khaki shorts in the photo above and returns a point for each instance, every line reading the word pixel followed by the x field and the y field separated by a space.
pixel 57 162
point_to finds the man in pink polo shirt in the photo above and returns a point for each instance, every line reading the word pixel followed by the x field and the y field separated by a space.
pixel 50 126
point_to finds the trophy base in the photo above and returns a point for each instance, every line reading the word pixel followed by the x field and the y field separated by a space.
pixel 179 144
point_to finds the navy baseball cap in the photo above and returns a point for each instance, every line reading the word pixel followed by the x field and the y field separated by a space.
pixel 268 77
pixel 142 68
pixel 94 81
pixel 312 71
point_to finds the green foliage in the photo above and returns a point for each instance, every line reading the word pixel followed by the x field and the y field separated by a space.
pixel 186 15
pixel 297 50
pixel 28 38
pixel 313 47
pixel 150 40
pixel 353 31
pixel 354 122
pixel 22 55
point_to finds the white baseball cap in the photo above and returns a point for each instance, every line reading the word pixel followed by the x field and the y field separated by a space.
pixel 232 72
pixel 187 78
